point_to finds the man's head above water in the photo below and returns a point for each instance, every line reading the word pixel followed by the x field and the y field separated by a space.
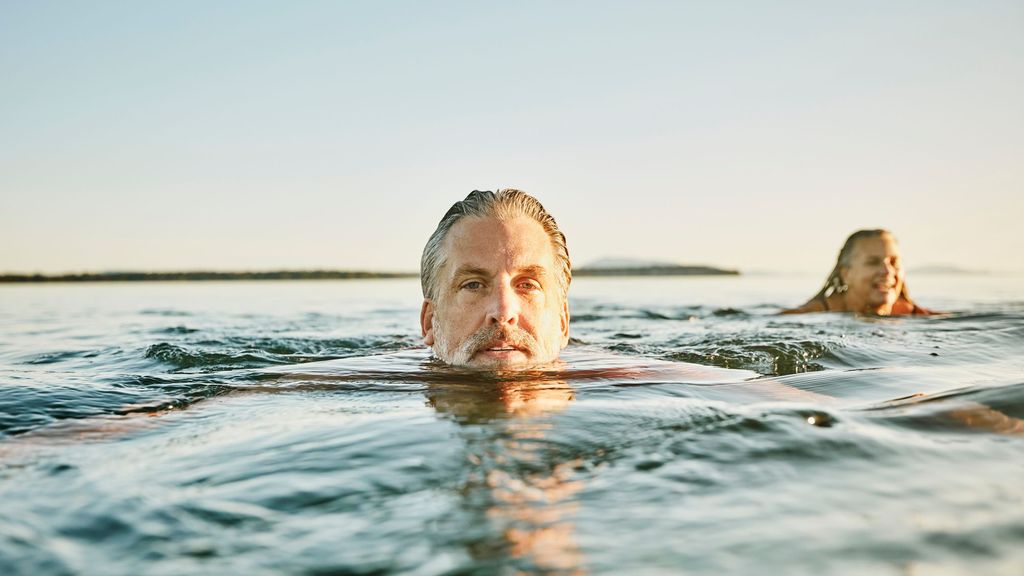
pixel 495 277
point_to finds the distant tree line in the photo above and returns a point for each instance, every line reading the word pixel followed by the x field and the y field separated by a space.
pixel 334 274
pixel 201 275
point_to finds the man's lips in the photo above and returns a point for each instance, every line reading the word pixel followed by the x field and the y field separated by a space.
pixel 500 347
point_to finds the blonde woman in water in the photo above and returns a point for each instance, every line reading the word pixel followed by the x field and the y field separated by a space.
pixel 867 279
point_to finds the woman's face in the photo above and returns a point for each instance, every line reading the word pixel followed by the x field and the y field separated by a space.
pixel 875 273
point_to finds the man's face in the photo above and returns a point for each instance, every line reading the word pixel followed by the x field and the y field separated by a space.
pixel 498 304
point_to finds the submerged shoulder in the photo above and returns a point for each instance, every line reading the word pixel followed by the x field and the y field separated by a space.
pixel 584 362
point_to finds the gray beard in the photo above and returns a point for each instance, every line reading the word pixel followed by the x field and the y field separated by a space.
pixel 481 339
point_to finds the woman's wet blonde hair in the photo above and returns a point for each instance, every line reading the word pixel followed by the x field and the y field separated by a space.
pixel 834 283
pixel 504 205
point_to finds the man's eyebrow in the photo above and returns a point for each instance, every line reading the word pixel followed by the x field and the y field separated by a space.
pixel 468 270
pixel 471 271
pixel 535 270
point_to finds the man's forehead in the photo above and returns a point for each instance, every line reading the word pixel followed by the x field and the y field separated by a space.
pixel 488 243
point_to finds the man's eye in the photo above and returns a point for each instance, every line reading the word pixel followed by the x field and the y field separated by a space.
pixel 473 285
pixel 529 285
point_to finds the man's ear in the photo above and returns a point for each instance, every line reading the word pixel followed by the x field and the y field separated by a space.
pixel 427 322
pixel 564 323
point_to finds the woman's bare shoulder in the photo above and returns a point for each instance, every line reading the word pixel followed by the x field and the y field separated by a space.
pixel 904 307
pixel 812 305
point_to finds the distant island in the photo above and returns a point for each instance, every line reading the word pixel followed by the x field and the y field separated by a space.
pixel 632 267
pixel 205 275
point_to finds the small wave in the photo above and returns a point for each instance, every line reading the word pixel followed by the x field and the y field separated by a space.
pixel 770 359
pixel 182 358
pixel 677 434
pixel 26 408
pixel 176 330
pixel 173 392
pixel 320 349
pixel 158 312
pixel 55 357
pixel 616 313
pixel 236 352
pixel 93 356
pixel 993 409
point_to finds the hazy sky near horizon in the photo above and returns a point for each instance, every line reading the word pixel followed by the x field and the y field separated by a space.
pixel 267 135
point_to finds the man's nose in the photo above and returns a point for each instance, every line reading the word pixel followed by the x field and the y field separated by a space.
pixel 504 306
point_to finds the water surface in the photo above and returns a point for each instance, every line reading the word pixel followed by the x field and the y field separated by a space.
pixel 298 427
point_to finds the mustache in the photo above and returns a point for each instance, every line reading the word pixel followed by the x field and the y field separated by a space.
pixel 513 335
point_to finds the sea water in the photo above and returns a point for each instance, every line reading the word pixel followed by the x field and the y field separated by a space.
pixel 300 428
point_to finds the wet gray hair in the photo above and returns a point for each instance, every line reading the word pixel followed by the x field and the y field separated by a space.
pixel 504 205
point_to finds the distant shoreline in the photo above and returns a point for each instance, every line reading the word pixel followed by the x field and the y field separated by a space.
pixel 203 276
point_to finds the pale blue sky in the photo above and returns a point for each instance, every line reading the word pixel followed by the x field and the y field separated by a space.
pixel 265 135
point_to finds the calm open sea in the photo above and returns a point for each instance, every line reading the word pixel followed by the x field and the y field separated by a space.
pixel 298 428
